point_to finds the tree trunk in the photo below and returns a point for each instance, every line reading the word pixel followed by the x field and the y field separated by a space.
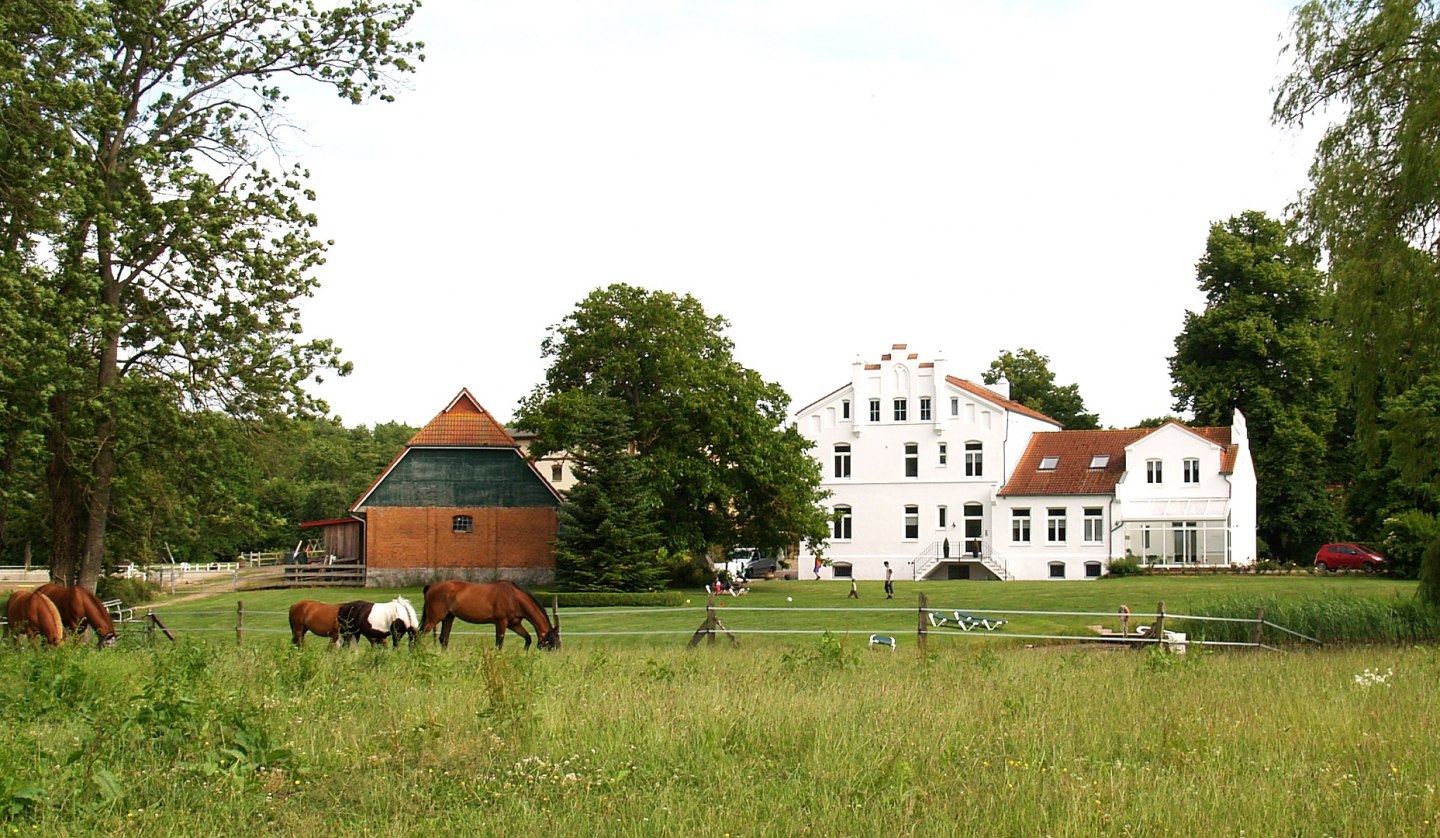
pixel 65 496
pixel 98 506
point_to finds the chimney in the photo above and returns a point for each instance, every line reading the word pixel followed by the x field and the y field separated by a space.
pixel 1002 387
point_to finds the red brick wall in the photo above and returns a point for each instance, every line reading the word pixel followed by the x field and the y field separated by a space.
pixel 423 538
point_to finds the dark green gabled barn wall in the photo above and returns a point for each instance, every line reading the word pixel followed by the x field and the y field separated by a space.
pixel 462 477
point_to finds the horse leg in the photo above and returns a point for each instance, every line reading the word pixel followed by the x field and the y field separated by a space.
pixel 499 634
pixel 517 627
pixel 445 625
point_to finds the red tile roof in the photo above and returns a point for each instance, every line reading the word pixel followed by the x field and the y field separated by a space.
pixel 1073 475
pixel 463 422
pixel 995 398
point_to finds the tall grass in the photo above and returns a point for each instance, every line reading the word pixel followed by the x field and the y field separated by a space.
pixel 814 736
pixel 1333 618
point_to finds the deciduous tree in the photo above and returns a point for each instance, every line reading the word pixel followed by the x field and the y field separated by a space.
pixel 709 435
pixel 168 234
pixel 1259 346
pixel 1033 385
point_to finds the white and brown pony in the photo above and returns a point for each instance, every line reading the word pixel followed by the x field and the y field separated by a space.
pixel 377 621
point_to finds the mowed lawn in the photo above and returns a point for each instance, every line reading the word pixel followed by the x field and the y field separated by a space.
pixel 776 610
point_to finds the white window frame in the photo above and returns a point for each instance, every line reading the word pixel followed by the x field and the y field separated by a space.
pixel 900 410
pixel 974 458
pixel 842 522
pixel 1056 525
pixel 1020 526
pixel 943 454
pixel 1094 532
pixel 925 413
pixel 1154 472
pixel 874 410
pixel 1191 471
pixel 912 459
pixel 912 522
pixel 843 461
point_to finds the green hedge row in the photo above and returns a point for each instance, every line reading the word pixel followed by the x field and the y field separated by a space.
pixel 598 599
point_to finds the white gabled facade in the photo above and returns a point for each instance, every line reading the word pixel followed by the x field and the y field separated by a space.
pixel 912 458
pixel 944 478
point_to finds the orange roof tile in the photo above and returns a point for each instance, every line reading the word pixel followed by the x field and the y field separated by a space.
pixel 995 398
pixel 463 422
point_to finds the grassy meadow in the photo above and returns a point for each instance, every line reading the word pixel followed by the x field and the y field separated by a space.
pixel 787 734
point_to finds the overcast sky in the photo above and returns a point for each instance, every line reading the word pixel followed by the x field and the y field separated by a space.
pixel 831 177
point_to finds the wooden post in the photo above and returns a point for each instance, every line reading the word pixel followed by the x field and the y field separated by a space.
pixel 27 557
pixel 711 624
pixel 1255 630
pixel 239 621
pixel 235 578
pixel 923 626
pixel 555 618
pixel 149 625
pixel 1158 632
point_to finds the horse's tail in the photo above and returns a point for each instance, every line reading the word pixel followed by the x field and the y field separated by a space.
pixel 55 632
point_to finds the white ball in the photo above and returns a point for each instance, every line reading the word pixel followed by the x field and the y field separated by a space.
pixel 789 599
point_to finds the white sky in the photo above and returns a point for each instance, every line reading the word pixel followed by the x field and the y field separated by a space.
pixel 830 176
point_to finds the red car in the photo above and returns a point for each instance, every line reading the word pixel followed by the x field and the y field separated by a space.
pixel 1348 557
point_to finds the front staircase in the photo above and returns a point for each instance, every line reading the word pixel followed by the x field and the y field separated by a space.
pixel 933 556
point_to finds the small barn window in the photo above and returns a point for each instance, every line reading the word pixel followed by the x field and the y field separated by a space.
pixel 461 523
pixel 557 473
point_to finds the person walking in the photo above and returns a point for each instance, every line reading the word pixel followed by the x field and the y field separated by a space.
pixel 818 564
pixel 889 581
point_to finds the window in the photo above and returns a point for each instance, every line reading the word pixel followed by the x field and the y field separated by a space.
pixel 842 570
pixel 1187 541
pixel 1055 525
pixel 1094 525
pixel 1153 472
pixel 912 523
pixel 842 459
pixel 845 409
pixel 954 406
pixel 941 518
pixel 1020 526
pixel 901 407
pixel 944 451
pixel 1192 470
pixel 1100 461
pixel 912 459
pixel 841 524
pixel 1049 463
pixel 924 408
pixel 557 473
pixel 1092 570
pixel 874 410
pixel 974 459
pixel 462 523
pixel 1057 570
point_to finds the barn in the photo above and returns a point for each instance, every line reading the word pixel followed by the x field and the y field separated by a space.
pixel 460 502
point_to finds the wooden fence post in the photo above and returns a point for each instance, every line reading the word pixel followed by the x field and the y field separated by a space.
pixel 1259 627
pixel 149 625
pixel 1159 631
pixel 923 628
pixel 239 621
pixel 555 618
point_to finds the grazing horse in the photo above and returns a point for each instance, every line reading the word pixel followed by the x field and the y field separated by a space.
pixel 378 620
pixel 320 618
pixel 81 609
pixel 503 603
pixel 33 613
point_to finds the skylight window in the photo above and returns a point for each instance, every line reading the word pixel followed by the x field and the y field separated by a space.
pixel 1100 461
pixel 1049 463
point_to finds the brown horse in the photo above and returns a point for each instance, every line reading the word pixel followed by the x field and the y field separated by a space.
pixel 33 613
pixel 81 609
pixel 321 618
pixel 503 603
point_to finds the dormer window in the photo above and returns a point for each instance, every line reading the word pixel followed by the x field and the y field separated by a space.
pixel 1049 463
pixel 1100 461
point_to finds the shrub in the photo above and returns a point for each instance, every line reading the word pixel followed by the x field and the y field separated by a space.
pixel 1127 566
pixel 133 591
pixel 1408 534
pixel 600 599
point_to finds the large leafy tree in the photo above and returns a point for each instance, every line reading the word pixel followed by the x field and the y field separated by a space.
pixel 1260 346
pixel 168 239
pixel 1374 195
pixel 1033 385
pixel 709 436
pixel 1370 71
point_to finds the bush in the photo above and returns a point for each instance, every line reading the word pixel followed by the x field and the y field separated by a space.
pixel 1127 566
pixel 1408 534
pixel 598 599
pixel 133 591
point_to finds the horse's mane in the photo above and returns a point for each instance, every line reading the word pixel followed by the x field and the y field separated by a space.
pixel 533 601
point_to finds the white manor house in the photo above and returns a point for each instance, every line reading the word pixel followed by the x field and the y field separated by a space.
pixel 947 479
